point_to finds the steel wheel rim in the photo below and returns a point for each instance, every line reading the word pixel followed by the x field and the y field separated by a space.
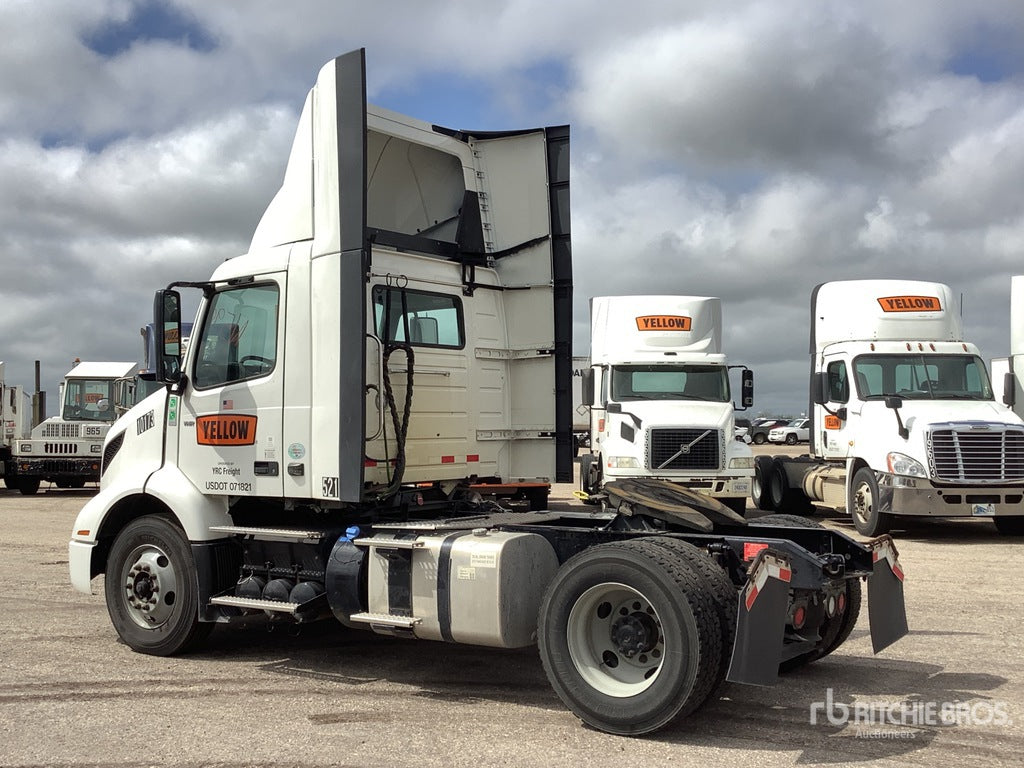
pixel 150 586
pixel 863 502
pixel 615 640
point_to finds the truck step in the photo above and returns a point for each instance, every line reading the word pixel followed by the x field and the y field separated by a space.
pixel 385 619
pixel 255 604
pixel 270 534
pixel 384 542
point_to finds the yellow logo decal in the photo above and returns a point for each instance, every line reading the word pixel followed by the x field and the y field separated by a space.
pixel 221 429
pixel 910 304
pixel 663 323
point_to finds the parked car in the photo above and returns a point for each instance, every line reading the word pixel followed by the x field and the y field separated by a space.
pixel 741 428
pixel 796 431
pixel 759 429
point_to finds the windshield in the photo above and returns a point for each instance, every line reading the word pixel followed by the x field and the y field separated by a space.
pixel 670 382
pixel 89 400
pixel 922 377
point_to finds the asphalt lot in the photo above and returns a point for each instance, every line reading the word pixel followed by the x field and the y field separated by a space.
pixel 72 694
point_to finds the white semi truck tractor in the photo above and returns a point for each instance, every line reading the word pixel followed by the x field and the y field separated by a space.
pixel 660 399
pixel 398 332
pixel 904 420
pixel 66 449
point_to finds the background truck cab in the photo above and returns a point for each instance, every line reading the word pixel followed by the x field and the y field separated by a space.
pixel 661 404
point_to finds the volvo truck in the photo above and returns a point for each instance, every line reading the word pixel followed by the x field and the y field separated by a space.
pixel 398 332
pixel 904 419
pixel 66 449
pixel 659 398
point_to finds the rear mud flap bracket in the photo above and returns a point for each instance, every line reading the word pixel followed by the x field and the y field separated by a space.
pixel 761 621
pixel 887 610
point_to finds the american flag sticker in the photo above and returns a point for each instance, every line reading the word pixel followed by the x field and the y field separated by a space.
pixel 227 405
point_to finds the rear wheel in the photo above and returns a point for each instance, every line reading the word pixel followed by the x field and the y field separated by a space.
pixel 785 498
pixel 864 504
pixel 759 492
pixel 760 438
pixel 629 638
pixel 151 588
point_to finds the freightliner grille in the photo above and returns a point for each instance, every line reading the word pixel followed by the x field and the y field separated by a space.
pixel 685 449
pixel 61 430
pixel 993 454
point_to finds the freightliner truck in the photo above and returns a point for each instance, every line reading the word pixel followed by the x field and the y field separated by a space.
pixel 659 398
pixel 398 331
pixel 66 449
pixel 903 417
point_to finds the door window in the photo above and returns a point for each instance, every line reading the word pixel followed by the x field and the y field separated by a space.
pixel 432 319
pixel 239 338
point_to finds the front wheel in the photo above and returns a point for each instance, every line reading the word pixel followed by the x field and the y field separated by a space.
pixel 152 590
pixel 629 638
pixel 1009 526
pixel 864 504
pixel 28 486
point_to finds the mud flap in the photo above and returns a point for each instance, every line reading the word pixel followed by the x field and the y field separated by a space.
pixel 887 611
pixel 761 622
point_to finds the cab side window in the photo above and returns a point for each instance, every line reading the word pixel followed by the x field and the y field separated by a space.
pixel 432 319
pixel 838 383
pixel 239 337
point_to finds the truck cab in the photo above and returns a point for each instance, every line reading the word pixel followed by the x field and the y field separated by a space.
pixel 660 398
pixel 905 420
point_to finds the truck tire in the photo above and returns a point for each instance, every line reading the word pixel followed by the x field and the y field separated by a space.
pixel 791 438
pixel 1009 526
pixel 868 519
pixel 785 498
pixel 759 492
pixel 724 592
pixel 629 638
pixel 28 486
pixel 834 631
pixel 590 475
pixel 151 588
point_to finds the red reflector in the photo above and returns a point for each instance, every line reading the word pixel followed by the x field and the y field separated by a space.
pixel 369 463
pixel 751 548
pixel 447 459
pixel 842 603
pixel 799 616
pixel 473 457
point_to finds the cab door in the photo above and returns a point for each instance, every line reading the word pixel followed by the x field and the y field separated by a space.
pixel 832 437
pixel 231 413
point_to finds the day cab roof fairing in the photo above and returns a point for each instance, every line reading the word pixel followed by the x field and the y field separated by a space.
pixel 422 194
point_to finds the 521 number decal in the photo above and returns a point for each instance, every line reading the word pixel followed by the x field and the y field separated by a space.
pixel 330 487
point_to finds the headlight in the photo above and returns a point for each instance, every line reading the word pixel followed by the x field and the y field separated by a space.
pixel 623 462
pixel 901 464
pixel 742 462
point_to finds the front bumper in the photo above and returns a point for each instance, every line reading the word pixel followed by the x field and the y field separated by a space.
pixel 913 496
pixel 88 469
pixel 80 565
pixel 717 486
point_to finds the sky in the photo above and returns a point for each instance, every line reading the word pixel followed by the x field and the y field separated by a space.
pixel 748 150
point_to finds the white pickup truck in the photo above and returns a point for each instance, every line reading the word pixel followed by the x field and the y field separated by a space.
pixel 796 431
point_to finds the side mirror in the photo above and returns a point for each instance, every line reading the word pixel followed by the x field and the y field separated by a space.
pixel 167 323
pixel 819 387
pixel 747 387
pixel 1009 389
pixel 893 401
pixel 588 386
